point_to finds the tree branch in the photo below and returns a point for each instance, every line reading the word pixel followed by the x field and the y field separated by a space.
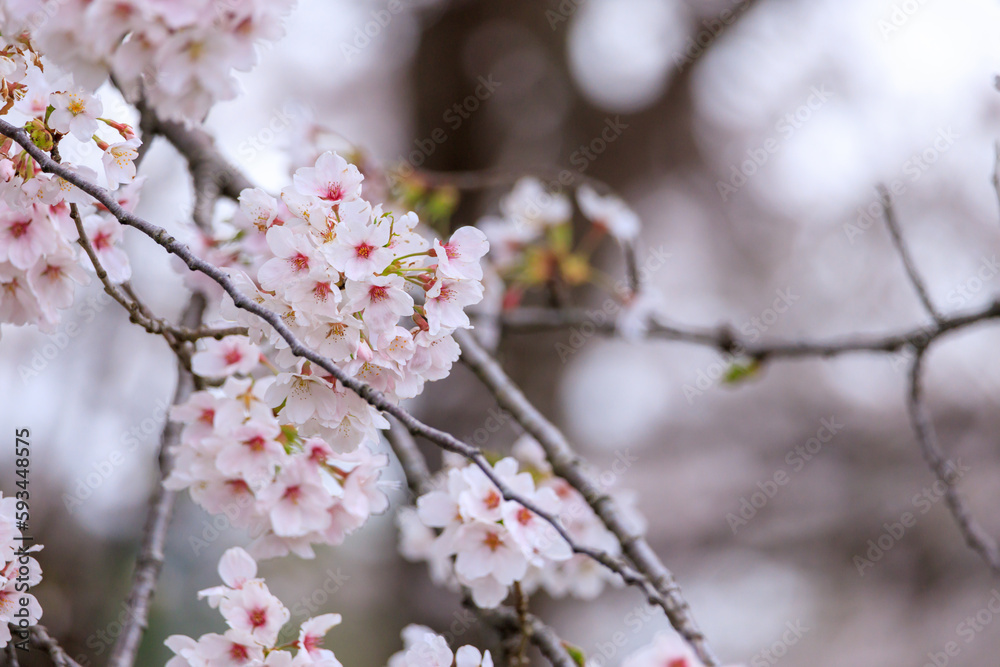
pixel 897 239
pixel 662 589
pixel 40 637
pixel 150 559
pixel 532 320
pixel 944 470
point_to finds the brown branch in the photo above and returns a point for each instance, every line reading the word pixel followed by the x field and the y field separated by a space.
pixel 150 559
pixel 533 320
pixel 660 586
pixel 944 470
pixel 996 170
pixel 204 160
pixel 11 652
pixel 40 637
pixel 904 253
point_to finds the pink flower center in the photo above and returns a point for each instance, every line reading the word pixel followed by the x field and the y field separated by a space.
pixel 450 251
pixel 293 493
pixel 239 652
pixel 492 500
pixel 20 228
pixel 378 293
pixel 258 617
pixel 334 192
pixel 101 241
pixel 207 415
pixel 322 291
pixel 256 443
pixel 53 272
pixel 310 643
pixel 364 250
pixel 493 541
pixel 524 516
pixel 233 356
pixel 300 262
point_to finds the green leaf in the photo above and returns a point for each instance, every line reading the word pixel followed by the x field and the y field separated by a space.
pixel 576 653
pixel 739 371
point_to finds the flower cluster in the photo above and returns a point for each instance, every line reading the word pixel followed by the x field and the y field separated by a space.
pixel 533 234
pixel 182 53
pixel 18 572
pixel 255 618
pixel 343 274
pixel 340 272
pixel 422 647
pixel 470 535
pixel 39 263
pixel 288 489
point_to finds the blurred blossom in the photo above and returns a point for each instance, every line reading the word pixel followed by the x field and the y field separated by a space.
pixel 622 52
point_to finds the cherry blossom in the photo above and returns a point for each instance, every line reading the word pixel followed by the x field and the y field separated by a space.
pixel 105 233
pixel 609 212
pixel 333 179
pixel 359 249
pixel 75 113
pixel 446 303
pixel 119 162
pixel 460 257
pixel 218 358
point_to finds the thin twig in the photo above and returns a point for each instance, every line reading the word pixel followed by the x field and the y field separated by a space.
pixel 567 464
pixel 40 637
pixel 897 239
pixel 509 621
pixel 996 170
pixel 944 470
pixel 724 339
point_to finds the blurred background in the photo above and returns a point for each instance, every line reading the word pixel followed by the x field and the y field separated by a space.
pixel 749 136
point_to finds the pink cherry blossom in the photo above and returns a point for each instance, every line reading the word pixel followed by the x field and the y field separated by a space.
pixel 105 233
pixel 358 250
pixel 460 257
pixel 383 300
pixel 333 179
